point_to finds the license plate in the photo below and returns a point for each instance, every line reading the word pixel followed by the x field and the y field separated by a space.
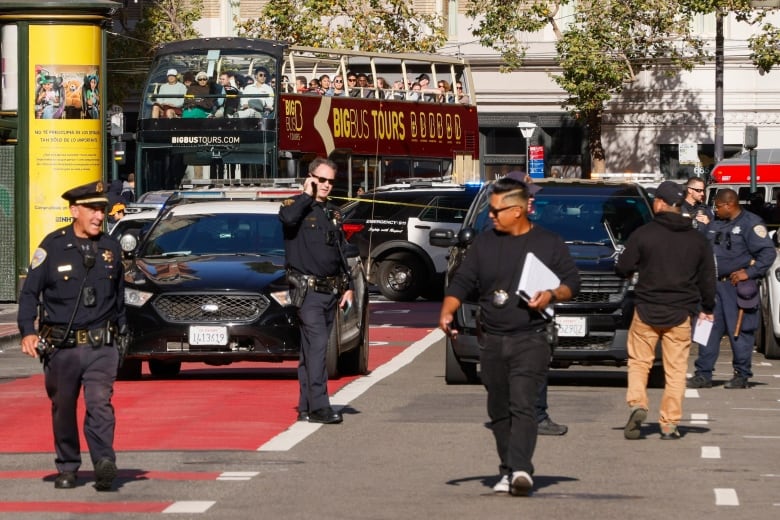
pixel 208 335
pixel 572 326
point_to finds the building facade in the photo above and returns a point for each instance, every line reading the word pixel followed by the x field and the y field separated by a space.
pixel 658 124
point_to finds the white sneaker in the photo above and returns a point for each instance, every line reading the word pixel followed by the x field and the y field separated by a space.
pixel 502 486
pixel 522 484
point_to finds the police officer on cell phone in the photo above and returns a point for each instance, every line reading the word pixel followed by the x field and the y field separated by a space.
pixel 75 290
pixel 319 278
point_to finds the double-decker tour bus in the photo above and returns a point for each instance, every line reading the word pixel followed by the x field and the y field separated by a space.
pixel 243 120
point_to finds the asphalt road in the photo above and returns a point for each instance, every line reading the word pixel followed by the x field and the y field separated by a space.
pixel 413 447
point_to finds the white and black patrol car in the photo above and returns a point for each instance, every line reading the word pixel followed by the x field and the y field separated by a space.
pixel 390 227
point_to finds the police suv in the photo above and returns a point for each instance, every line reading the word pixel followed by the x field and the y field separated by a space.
pixel 390 227
pixel 207 283
pixel 595 218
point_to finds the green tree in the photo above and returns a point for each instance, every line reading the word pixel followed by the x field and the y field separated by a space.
pixel 368 25
pixel 130 52
pixel 606 44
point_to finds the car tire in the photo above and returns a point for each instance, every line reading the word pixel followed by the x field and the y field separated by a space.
pixel 355 361
pixel 164 369
pixel 400 277
pixel 129 371
pixel 770 344
pixel 455 372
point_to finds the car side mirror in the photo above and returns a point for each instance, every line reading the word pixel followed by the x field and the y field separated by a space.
pixel 466 236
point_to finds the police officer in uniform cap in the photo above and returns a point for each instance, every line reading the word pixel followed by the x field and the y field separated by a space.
pixel 75 289
pixel 318 273
pixel 743 252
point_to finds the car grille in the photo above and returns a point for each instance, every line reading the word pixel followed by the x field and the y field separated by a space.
pixel 210 308
pixel 599 288
pixel 589 343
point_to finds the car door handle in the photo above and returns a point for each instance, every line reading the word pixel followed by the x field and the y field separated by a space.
pixel 422 227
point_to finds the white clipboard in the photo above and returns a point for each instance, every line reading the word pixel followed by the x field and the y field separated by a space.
pixel 536 276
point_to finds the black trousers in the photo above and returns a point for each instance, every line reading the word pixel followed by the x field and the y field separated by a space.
pixel 513 370
pixel 317 314
pixel 66 371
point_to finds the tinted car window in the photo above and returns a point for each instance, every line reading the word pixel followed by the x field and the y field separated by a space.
pixel 213 234
pixel 446 209
pixel 594 216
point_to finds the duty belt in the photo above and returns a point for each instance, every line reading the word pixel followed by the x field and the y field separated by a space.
pixel 78 337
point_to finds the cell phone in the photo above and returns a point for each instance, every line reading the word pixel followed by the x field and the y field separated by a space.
pixel 313 187
pixel 347 307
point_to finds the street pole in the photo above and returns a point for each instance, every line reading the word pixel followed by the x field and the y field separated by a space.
pixel 527 129
pixel 718 85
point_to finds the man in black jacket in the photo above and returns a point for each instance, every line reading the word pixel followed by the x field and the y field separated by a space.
pixel 676 271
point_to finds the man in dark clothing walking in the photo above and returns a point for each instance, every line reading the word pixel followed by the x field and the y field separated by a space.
pixel 676 270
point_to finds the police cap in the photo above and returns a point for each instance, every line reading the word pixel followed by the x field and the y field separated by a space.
pixel 92 194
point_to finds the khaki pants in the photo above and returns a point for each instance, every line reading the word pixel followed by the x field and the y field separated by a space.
pixel 676 345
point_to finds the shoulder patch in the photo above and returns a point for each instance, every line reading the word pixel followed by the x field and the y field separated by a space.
pixel 760 230
pixel 38 257
pixel 288 202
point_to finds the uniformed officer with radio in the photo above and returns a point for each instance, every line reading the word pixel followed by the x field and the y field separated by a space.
pixel 743 254
pixel 75 290
pixel 318 274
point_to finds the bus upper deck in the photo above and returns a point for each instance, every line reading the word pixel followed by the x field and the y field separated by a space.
pixel 244 122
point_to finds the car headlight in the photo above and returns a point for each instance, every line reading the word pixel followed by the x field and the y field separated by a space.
pixel 136 298
pixel 282 298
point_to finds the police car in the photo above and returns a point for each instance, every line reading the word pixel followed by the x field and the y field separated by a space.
pixel 390 227
pixel 207 284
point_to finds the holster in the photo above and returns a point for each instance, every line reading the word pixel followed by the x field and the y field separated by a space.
pixel 298 288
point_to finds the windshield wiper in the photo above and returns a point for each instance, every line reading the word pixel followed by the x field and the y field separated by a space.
pixel 587 242
pixel 170 254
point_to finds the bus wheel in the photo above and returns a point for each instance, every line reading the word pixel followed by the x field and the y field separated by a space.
pixel 400 277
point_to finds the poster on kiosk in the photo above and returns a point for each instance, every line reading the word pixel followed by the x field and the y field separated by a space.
pixel 65 120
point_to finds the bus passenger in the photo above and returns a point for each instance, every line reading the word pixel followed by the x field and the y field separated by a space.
pixel 338 87
pixel 460 96
pixel 300 85
pixel 415 93
pixel 363 89
pixel 258 106
pixel 315 88
pixel 170 107
pixel 398 90
pixel 325 86
pixel 445 92
pixel 351 85
pixel 227 105
pixel 198 106
pixel 383 86
pixel 286 87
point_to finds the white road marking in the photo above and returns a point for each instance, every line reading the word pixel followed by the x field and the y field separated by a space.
pixel 710 452
pixel 189 506
pixel 726 497
pixel 300 430
pixel 700 418
pixel 761 436
pixel 764 364
pixel 393 311
pixel 237 475
pixel 691 393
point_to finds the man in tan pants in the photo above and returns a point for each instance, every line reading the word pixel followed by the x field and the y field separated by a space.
pixel 676 271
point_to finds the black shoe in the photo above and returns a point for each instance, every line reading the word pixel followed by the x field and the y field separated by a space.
pixel 548 427
pixel 670 435
pixel 303 416
pixel 325 416
pixel 105 473
pixel 65 480
pixel 633 429
pixel 737 382
pixel 699 381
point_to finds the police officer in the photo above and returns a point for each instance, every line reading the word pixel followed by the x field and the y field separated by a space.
pixel 743 251
pixel 75 278
pixel 694 207
pixel 317 271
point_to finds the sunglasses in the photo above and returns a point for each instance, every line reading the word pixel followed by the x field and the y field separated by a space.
pixel 261 73
pixel 203 79
pixel 323 180
pixel 697 190
pixel 495 211
pixel 351 79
